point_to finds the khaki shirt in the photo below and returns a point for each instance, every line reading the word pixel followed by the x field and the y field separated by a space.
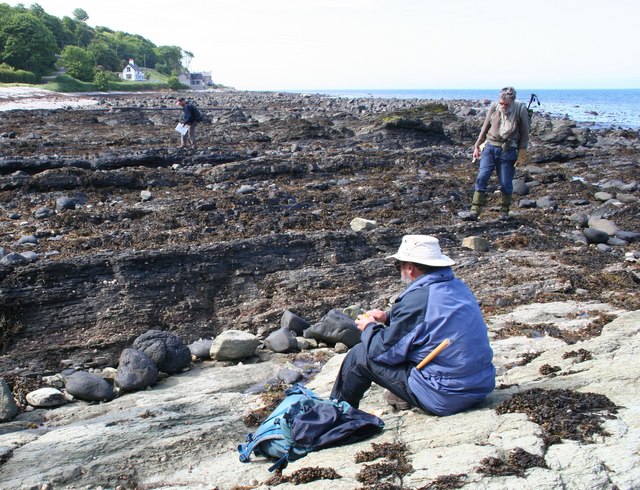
pixel 491 128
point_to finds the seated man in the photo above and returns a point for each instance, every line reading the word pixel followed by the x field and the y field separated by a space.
pixel 435 306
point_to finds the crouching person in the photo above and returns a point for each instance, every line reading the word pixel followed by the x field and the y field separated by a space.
pixel 435 306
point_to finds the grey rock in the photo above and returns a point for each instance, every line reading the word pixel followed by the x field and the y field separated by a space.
pixel 29 256
pixel 289 376
pixel 246 189
pixel 145 196
pixel 595 236
pixel 28 240
pixel 603 247
pixel 359 224
pixel 8 407
pixel 304 344
pixel 520 187
pixel 89 386
pixel 282 340
pixel 626 198
pixel 46 397
pixel 13 258
pixel 166 350
pixel 233 345
pixel 616 242
pixel 603 196
pixel 467 216
pixel 201 349
pixel 547 202
pixel 334 327
pixel 294 322
pixel 340 348
pixel 628 236
pixel 526 203
pixel 608 226
pixel 579 219
pixel 136 371
pixel 44 213
pixel 63 203
pixel 476 243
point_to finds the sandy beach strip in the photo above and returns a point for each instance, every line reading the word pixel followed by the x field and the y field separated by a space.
pixel 29 98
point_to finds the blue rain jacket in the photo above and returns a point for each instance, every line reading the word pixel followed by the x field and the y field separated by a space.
pixel 434 307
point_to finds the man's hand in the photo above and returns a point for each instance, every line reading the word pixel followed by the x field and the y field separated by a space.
pixel 476 154
pixel 522 158
pixel 369 317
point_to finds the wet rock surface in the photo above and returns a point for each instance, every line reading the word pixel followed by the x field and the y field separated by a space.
pixel 107 230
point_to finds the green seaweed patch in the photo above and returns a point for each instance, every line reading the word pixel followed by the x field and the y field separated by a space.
pixel 562 414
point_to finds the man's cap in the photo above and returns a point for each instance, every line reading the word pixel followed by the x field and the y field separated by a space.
pixel 421 249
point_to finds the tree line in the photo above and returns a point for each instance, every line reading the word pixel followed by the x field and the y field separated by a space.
pixel 33 43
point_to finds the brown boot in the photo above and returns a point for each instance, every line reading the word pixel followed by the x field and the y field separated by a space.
pixel 396 402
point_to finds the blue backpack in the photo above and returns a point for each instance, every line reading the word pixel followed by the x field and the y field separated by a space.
pixel 302 423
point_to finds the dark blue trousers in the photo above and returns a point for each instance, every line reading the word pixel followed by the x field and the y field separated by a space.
pixel 358 372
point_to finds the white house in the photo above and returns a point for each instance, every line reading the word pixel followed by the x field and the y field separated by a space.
pixel 132 72
pixel 196 81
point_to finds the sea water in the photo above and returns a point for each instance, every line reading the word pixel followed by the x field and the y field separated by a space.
pixel 595 108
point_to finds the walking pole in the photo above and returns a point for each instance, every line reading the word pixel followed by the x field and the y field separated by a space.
pixel 443 345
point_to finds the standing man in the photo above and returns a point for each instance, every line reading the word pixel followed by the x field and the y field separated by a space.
pixel 188 120
pixel 503 141
pixel 435 306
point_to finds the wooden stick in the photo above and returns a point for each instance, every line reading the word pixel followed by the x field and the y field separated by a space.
pixel 443 345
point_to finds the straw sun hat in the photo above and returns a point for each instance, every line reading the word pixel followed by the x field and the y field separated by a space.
pixel 421 249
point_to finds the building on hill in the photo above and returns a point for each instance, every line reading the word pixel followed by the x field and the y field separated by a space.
pixel 132 72
pixel 196 81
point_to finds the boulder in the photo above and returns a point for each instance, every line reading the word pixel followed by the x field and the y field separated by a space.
pixel 293 322
pixel 595 236
pixel 46 398
pixel 359 224
pixel 89 386
pixel 166 350
pixel 334 327
pixel 8 407
pixel 136 371
pixel 282 340
pixel 201 349
pixel 608 226
pixel 476 243
pixel 233 345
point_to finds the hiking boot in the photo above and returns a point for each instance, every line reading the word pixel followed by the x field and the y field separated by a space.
pixel 479 200
pixel 504 206
pixel 396 402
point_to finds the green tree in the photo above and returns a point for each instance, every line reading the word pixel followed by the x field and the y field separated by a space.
pixel 27 44
pixel 80 15
pixel 104 55
pixel 79 63
pixel 101 80
pixel 174 84
pixel 170 59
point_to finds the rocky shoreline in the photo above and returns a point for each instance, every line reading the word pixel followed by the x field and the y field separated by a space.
pixel 290 203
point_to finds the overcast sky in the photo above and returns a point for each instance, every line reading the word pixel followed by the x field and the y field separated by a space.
pixel 387 44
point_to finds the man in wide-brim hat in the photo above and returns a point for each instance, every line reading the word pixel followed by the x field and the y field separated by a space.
pixel 436 309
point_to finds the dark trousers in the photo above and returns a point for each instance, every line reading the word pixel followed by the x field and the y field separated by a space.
pixel 358 372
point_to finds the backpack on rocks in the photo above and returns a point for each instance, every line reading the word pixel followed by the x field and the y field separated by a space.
pixel 302 423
